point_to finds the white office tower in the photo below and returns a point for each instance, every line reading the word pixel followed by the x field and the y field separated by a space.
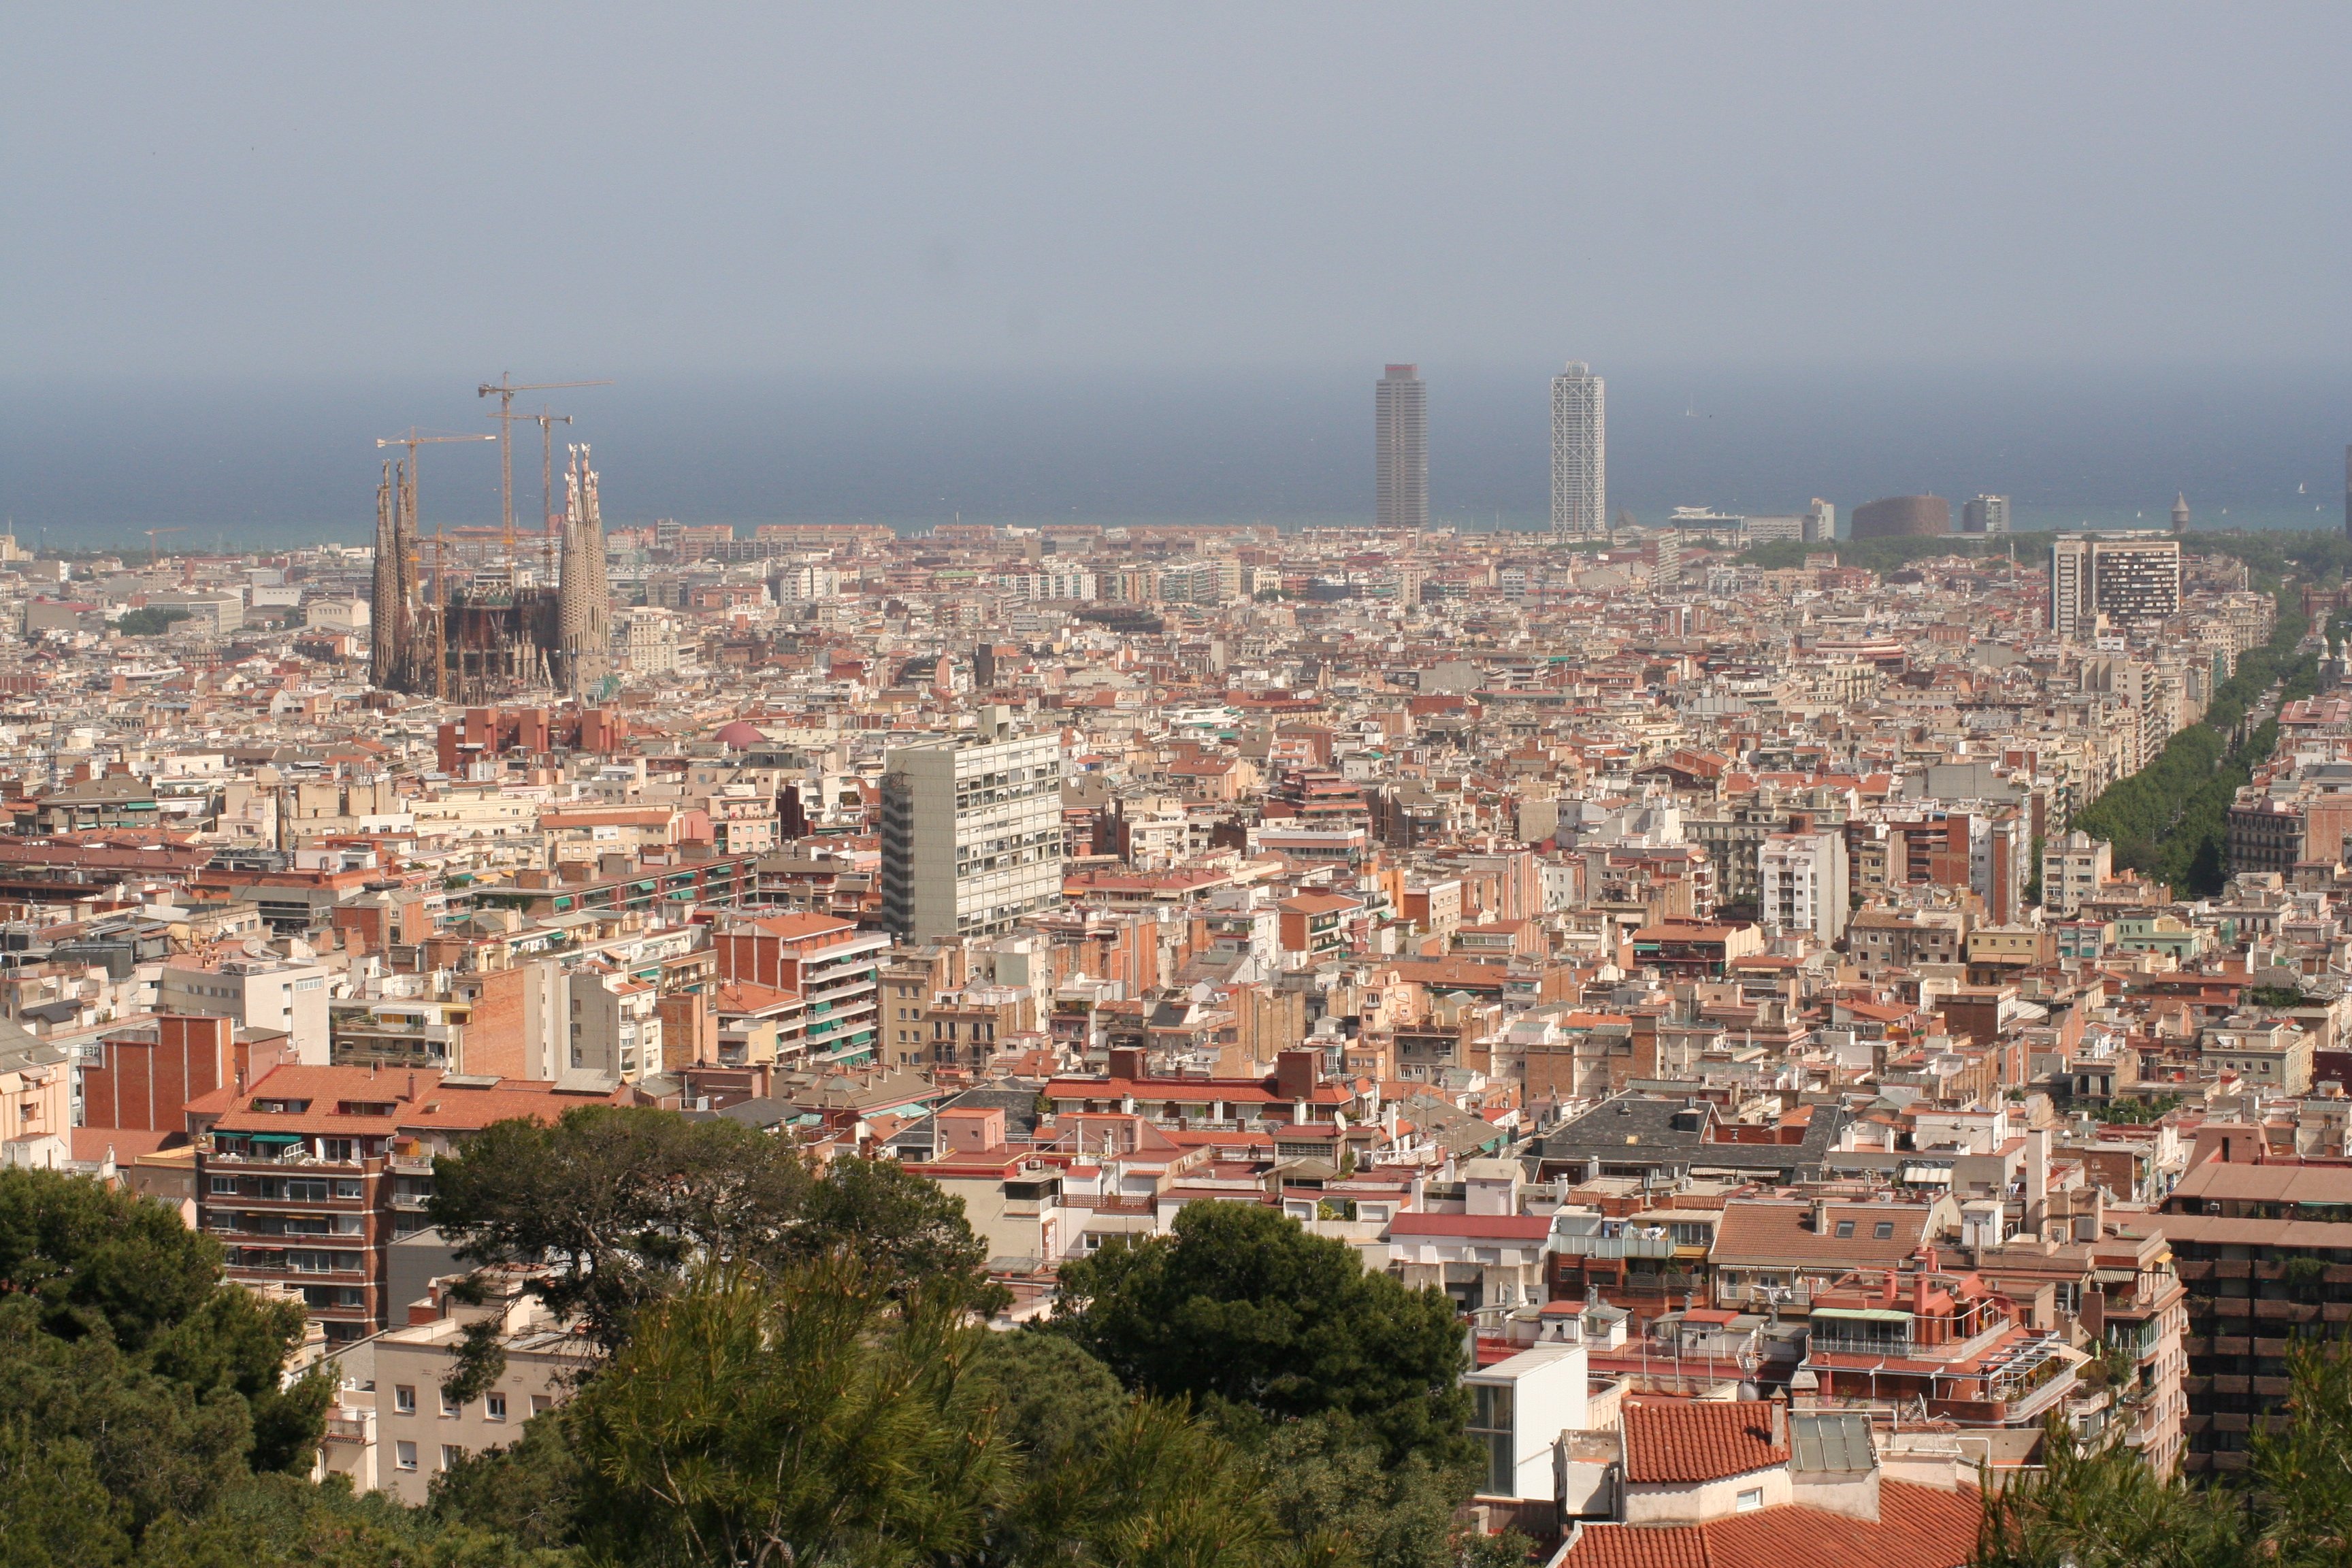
pixel 1580 454
pixel 1821 521
pixel 972 832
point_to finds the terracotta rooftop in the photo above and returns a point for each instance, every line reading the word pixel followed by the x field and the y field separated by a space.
pixel 1699 1442
pixel 1918 1526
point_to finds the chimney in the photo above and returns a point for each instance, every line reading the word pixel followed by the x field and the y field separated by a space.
pixel 1887 1291
pixel 411 1095
pixel 2037 1180
pixel 1780 1403
pixel 1820 1217
pixel 1296 1072
pixel 1127 1062
pixel 1918 1297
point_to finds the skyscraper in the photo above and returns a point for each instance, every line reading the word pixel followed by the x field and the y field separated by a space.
pixel 1401 448
pixel 1580 453
pixel 583 605
pixel 2126 580
pixel 1986 514
pixel 972 832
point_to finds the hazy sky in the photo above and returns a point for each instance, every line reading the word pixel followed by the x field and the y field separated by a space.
pixel 334 192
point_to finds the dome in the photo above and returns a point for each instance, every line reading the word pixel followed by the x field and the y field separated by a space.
pixel 740 736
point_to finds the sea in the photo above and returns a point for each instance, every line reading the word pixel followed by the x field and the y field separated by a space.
pixel 235 464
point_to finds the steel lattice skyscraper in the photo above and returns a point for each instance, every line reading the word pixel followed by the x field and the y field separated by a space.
pixel 1401 448
pixel 1580 453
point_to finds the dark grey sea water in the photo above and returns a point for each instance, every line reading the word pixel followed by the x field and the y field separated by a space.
pixel 279 463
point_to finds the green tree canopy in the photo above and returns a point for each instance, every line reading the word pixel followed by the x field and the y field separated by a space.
pixel 623 1203
pixel 1241 1305
pixel 129 1363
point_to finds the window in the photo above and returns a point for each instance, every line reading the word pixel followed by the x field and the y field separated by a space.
pixel 449 1406
pixel 495 1406
pixel 405 1455
pixel 1750 1501
pixel 1884 1230
pixel 451 1454
pixel 541 1404
pixel 403 1398
pixel 346 1187
pixel 224 1184
pixel 1845 1227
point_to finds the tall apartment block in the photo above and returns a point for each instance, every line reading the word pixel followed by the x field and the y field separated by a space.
pixel 1986 514
pixel 972 832
pixel 1806 879
pixel 1401 448
pixel 2125 580
pixel 1580 453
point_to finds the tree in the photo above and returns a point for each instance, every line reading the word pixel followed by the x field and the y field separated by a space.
pixel 617 1204
pixel 55 1511
pixel 621 1204
pixel 758 1421
pixel 902 1226
pixel 95 1257
pixel 279 1521
pixel 2302 1482
pixel 530 1489
pixel 2103 1508
pixel 1241 1305
pixel 125 1348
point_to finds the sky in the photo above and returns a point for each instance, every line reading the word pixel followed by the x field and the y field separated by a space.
pixel 1130 260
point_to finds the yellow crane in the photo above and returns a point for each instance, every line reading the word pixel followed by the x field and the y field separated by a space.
pixel 152 532
pixel 505 388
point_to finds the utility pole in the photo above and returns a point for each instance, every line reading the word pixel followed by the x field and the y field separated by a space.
pixel 505 387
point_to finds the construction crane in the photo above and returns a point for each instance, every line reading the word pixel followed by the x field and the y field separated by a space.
pixel 505 387
pixel 415 440
pixel 152 532
pixel 547 422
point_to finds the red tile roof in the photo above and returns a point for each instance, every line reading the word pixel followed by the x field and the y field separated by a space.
pixel 1918 1526
pixel 1699 1442
pixel 1493 1226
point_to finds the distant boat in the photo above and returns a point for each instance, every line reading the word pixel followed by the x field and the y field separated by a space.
pixel 2301 490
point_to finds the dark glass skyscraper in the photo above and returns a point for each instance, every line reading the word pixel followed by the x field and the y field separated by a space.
pixel 1401 448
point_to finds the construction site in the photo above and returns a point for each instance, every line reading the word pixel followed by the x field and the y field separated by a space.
pixel 472 614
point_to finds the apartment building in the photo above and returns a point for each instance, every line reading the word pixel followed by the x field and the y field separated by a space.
pixel 258 989
pixel 310 1175
pixel 835 969
pixel 972 832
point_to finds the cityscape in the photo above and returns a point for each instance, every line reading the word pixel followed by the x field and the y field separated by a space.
pixel 1689 1035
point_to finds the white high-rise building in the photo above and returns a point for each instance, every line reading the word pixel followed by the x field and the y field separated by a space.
pixel 1580 454
pixel 1805 882
pixel 971 833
